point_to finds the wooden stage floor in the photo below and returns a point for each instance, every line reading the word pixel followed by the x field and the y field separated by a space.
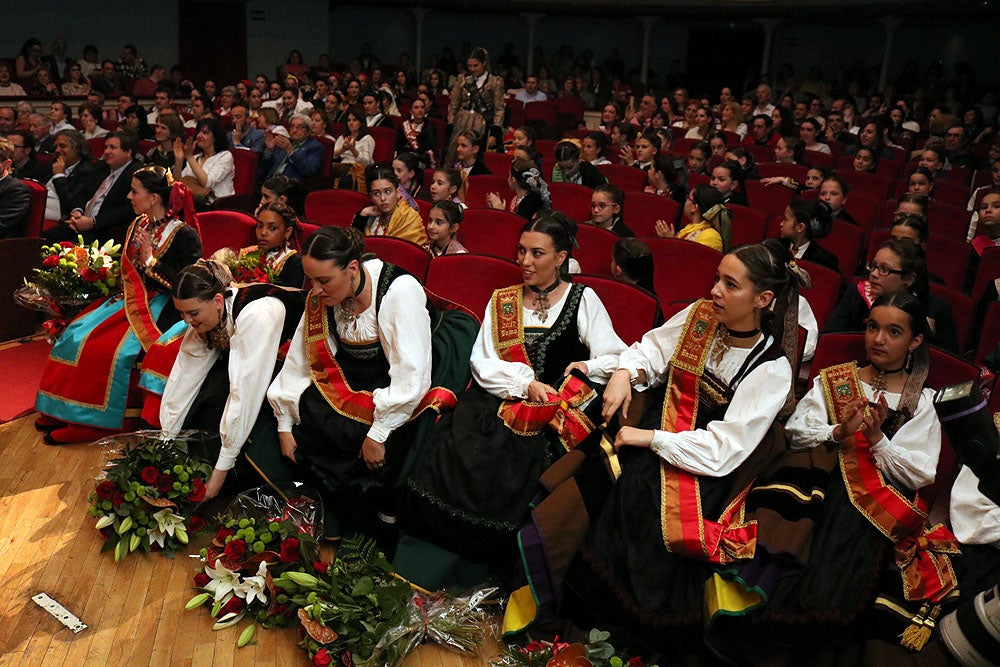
pixel 135 609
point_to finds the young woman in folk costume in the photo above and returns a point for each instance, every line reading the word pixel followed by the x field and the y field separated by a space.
pixel 362 370
pixel 653 531
pixel 389 214
pixel 87 387
pixel 418 135
pixel 226 362
pixel 477 101
pixel 876 567
pixel 543 346
pixel 275 258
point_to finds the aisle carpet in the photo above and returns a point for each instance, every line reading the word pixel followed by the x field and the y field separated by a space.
pixel 21 363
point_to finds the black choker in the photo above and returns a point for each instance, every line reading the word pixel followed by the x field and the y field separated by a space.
pixel 878 382
pixel 361 282
pixel 882 371
pixel 743 334
pixel 547 290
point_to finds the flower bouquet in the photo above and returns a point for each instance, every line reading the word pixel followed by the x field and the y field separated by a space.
pixel 359 613
pixel 263 535
pixel 247 266
pixel 597 652
pixel 70 278
pixel 145 493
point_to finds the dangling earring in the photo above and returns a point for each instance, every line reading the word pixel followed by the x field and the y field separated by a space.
pixel 908 364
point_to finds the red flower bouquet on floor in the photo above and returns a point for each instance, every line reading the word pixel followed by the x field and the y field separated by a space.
pixel 147 490
pixel 596 652
pixel 262 537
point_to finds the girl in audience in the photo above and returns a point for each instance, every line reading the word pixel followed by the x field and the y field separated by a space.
pixel 989 223
pixel 281 189
pixel 226 361
pixel 912 227
pixel 746 160
pixel 887 438
pixel 871 136
pixel 834 191
pixel 807 220
pixel 647 147
pixel 543 345
pixel 407 167
pixel 531 194
pixel 523 137
pixel 727 178
pixel 709 222
pixel 592 148
pixel 210 173
pixel 136 120
pixel 865 160
pixel 43 85
pixel 912 204
pixel 717 142
pixel 784 123
pixel 446 185
pixel 921 182
pixel 809 130
pixel 442 229
pixel 349 427
pixel 90 117
pixel 898 266
pixel 75 83
pixel 732 356
pixel 389 213
pixel 355 145
pixel 814 179
pixel 697 159
pixel 277 237
pixel 789 151
pixel 417 135
pixel 108 339
pixel 571 168
pixel 469 161
pixel 632 263
pixel 606 207
pixel 662 179
pixel 703 125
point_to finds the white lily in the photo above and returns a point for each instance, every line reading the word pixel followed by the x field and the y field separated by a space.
pixel 166 524
pixel 254 587
pixel 223 580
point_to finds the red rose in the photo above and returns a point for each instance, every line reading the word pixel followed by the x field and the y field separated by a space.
pixel 290 550
pixel 236 550
pixel 322 658
pixel 51 260
pixel 636 662
pixel 198 492
pixel 234 606
pixel 195 524
pixel 149 474
pixel 66 244
pixel 320 566
pixel 102 272
pixel 89 275
pixel 201 580
pixel 346 660
pixel 117 499
pixel 164 483
pixel 105 490
pixel 223 533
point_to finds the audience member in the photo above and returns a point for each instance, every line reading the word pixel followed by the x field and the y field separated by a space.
pixel 15 198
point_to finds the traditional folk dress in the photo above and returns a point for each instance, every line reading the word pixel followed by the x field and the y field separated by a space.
pixel 90 376
pixel 470 491
pixel 346 379
pixel 219 384
pixel 877 566
pixel 647 539
pixel 403 223
pixel 976 522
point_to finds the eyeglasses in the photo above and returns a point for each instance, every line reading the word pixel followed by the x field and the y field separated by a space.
pixel 883 270
pixel 599 205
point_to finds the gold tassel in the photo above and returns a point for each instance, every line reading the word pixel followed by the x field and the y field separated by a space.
pixel 920 630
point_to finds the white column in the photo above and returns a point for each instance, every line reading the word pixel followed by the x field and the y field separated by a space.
pixel 418 36
pixel 647 31
pixel 890 23
pixel 532 20
pixel 769 26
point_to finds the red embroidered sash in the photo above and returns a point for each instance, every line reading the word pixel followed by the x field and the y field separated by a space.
pixel 921 550
pixel 686 532
pixel 562 412
pixel 864 289
pixel 329 378
pixel 412 136
pixel 140 318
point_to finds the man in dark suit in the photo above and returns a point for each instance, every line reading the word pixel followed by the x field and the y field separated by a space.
pixel 25 165
pixel 107 211
pixel 74 176
pixel 15 198
pixel 297 156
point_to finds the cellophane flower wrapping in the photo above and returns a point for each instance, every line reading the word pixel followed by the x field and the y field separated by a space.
pixel 145 496
pixel 264 534
pixel 458 622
